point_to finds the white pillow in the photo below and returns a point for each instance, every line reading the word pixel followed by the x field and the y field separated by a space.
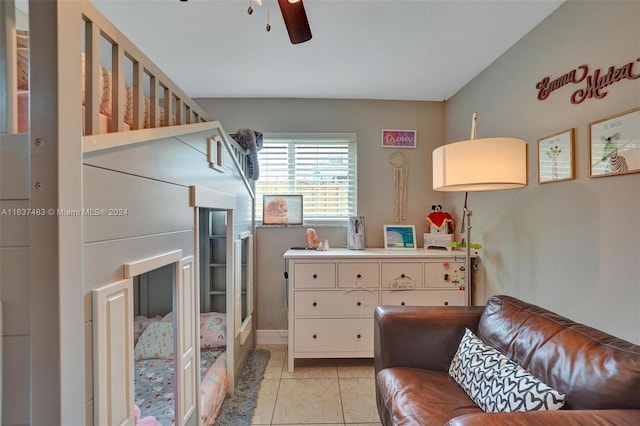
pixel 156 341
pixel 496 383
pixel 213 330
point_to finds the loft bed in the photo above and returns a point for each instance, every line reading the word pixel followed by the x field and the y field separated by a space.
pixel 151 158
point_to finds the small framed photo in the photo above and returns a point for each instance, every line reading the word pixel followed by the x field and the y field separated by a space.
pixel 400 237
pixel 398 138
pixel 556 157
pixel 282 209
pixel 614 144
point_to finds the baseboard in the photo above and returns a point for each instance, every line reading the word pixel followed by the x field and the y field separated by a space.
pixel 272 337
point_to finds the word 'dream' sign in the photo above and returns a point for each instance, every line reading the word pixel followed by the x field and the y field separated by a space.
pixel 594 83
pixel 398 138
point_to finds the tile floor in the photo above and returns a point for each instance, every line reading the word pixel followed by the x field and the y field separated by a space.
pixel 319 391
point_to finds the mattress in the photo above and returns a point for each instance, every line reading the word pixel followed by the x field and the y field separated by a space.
pixel 154 385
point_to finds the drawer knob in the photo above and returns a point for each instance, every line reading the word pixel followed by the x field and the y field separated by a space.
pixel 401 303
pixel 446 303
pixel 446 277
pixel 315 336
pixel 359 303
pixel 315 304
pixel 359 276
pixel 402 275
pixel 359 336
pixel 315 276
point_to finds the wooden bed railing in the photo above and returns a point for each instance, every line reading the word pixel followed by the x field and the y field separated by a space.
pixel 175 103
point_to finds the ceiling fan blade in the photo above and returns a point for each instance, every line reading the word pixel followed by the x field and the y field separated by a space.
pixel 295 18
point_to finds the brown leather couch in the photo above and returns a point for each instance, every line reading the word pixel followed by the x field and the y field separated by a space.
pixel 598 373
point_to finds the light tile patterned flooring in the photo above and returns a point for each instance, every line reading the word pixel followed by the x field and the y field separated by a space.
pixel 319 391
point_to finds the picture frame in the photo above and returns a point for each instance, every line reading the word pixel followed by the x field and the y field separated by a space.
pixel 392 138
pixel 556 157
pixel 282 209
pixel 614 144
pixel 400 237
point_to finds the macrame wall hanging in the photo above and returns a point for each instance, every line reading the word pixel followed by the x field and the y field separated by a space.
pixel 400 164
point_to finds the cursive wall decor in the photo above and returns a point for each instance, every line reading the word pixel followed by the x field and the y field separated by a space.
pixel 595 83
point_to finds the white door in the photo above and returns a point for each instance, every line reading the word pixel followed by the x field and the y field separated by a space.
pixel 187 314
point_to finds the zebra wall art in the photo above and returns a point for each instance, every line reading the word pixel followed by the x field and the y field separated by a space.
pixel 615 163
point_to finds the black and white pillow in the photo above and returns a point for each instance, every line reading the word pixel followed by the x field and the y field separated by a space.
pixel 496 383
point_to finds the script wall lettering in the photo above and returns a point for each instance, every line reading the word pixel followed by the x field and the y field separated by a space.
pixel 594 83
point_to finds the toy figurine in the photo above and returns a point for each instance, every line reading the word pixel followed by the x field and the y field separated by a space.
pixel 439 222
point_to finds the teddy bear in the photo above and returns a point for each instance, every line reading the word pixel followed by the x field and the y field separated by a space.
pixel 439 222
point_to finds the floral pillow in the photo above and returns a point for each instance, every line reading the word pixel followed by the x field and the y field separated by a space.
pixel 213 330
pixel 140 323
pixel 155 342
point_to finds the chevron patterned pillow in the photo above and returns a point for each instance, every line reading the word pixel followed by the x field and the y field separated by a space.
pixel 496 383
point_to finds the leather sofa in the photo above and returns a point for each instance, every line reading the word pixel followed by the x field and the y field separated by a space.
pixel 414 346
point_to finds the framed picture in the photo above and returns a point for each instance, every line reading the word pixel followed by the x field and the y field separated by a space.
pixel 614 144
pixel 398 138
pixel 282 210
pixel 556 157
pixel 400 237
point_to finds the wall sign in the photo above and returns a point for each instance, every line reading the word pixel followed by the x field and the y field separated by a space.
pixel 595 83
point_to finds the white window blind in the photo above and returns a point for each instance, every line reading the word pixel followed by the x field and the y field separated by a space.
pixel 320 166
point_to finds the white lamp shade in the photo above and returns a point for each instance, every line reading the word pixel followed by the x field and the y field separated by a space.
pixel 480 165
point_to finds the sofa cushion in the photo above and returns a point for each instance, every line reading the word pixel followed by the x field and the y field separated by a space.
pixel 417 397
pixel 593 369
pixel 496 383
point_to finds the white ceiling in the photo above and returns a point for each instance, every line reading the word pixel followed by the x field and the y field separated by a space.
pixel 361 49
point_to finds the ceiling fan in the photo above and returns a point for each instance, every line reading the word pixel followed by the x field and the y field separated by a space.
pixel 295 18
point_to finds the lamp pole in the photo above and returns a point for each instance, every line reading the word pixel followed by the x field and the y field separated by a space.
pixel 467 259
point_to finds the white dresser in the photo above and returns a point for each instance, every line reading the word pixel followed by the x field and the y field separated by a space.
pixel 332 295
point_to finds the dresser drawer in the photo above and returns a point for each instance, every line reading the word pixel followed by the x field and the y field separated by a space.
pixel 391 272
pixel 333 335
pixel 424 297
pixel 358 275
pixel 444 274
pixel 358 303
pixel 315 275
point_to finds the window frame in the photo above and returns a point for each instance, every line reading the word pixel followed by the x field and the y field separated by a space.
pixel 349 138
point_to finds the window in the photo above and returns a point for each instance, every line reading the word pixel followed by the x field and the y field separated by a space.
pixel 320 166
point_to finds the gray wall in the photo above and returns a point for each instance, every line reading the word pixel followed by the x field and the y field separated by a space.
pixel 574 246
pixel 375 175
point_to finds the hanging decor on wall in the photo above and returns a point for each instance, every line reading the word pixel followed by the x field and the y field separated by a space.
pixel 614 144
pixel 400 164
pixel 556 157
pixel 596 83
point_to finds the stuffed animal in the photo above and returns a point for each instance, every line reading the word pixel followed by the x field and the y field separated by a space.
pixel 439 222
pixel 276 211
pixel 251 142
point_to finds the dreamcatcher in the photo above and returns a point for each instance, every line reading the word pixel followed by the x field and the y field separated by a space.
pixel 400 164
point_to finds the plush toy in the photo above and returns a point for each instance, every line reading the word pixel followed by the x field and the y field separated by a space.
pixel 251 142
pixel 439 222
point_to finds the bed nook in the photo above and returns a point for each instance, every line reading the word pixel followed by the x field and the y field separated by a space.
pixel 153 198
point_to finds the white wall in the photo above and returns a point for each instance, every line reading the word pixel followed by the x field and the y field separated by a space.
pixel 375 174
pixel 574 246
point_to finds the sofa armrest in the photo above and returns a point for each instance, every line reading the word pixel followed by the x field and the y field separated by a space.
pixel 420 336
pixel 551 418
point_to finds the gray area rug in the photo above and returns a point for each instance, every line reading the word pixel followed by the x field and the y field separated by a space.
pixel 237 409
